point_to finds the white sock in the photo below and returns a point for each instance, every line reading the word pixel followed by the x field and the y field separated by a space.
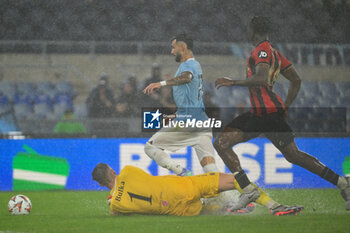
pixel 211 167
pixel 162 158
pixel 342 183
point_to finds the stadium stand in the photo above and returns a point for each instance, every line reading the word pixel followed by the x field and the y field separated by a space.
pixel 319 107
pixel 316 102
pixel 64 87
pixel 53 53
pixel 4 103
pixel 99 20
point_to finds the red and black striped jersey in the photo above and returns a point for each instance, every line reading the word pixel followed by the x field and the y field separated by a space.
pixel 263 100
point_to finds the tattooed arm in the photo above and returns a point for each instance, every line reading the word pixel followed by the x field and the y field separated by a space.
pixel 183 78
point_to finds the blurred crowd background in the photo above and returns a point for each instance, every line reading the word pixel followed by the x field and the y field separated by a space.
pixel 153 20
pixel 79 67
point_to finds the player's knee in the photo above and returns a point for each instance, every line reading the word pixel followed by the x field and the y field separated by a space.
pixel 221 144
pixel 204 161
pixel 294 157
pixel 290 154
pixel 217 144
pixel 227 140
pixel 290 158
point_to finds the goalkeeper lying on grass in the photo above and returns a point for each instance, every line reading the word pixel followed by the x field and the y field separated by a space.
pixel 134 191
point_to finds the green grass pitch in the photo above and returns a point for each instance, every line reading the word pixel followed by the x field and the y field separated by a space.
pixel 80 211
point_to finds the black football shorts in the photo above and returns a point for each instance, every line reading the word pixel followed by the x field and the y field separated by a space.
pixel 273 126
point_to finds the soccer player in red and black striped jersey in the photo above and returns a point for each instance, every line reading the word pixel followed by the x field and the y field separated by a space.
pixel 268 114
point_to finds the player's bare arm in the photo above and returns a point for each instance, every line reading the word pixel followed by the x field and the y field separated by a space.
pixel 259 78
pixel 295 82
pixel 185 77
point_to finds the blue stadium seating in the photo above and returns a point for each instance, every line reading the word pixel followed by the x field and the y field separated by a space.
pixel 42 98
pixel 62 102
pixel 4 103
pixel 36 100
pixel 8 89
pixel 22 98
pixel 26 88
pixel 343 88
pixel 328 89
pixel 64 87
pixel 46 88
pixel 315 103
pixel 23 111
pixel 42 110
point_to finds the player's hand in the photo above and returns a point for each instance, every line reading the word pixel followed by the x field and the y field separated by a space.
pixel 225 81
pixel 151 88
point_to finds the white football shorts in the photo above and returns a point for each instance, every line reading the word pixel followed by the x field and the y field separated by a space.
pixel 173 139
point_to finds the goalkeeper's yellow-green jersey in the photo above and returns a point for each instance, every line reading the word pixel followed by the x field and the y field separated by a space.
pixel 135 191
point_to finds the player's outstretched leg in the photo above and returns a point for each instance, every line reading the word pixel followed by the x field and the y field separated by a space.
pixel 223 145
pixel 163 159
pixel 293 155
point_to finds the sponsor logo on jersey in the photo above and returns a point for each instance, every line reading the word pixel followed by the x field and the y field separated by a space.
pixel 262 54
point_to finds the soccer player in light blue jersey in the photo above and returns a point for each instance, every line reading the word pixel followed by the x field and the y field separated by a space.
pixel 188 97
pixel 187 92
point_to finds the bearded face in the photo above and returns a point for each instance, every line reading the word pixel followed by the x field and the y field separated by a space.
pixel 176 50
pixel 178 57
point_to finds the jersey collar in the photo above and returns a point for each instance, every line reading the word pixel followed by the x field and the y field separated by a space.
pixel 190 59
pixel 262 42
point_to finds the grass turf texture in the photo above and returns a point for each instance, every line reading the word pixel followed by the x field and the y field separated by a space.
pixel 68 211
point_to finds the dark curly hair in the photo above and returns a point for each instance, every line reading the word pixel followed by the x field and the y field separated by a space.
pixel 184 38
pixel 261 25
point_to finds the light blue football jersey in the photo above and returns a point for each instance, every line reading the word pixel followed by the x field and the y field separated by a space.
pixel 189 97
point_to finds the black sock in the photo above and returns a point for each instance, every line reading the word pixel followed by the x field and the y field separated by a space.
pixel 242 179
pixel 330 175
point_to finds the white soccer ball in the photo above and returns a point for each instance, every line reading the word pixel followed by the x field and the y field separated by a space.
pixel 19 205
